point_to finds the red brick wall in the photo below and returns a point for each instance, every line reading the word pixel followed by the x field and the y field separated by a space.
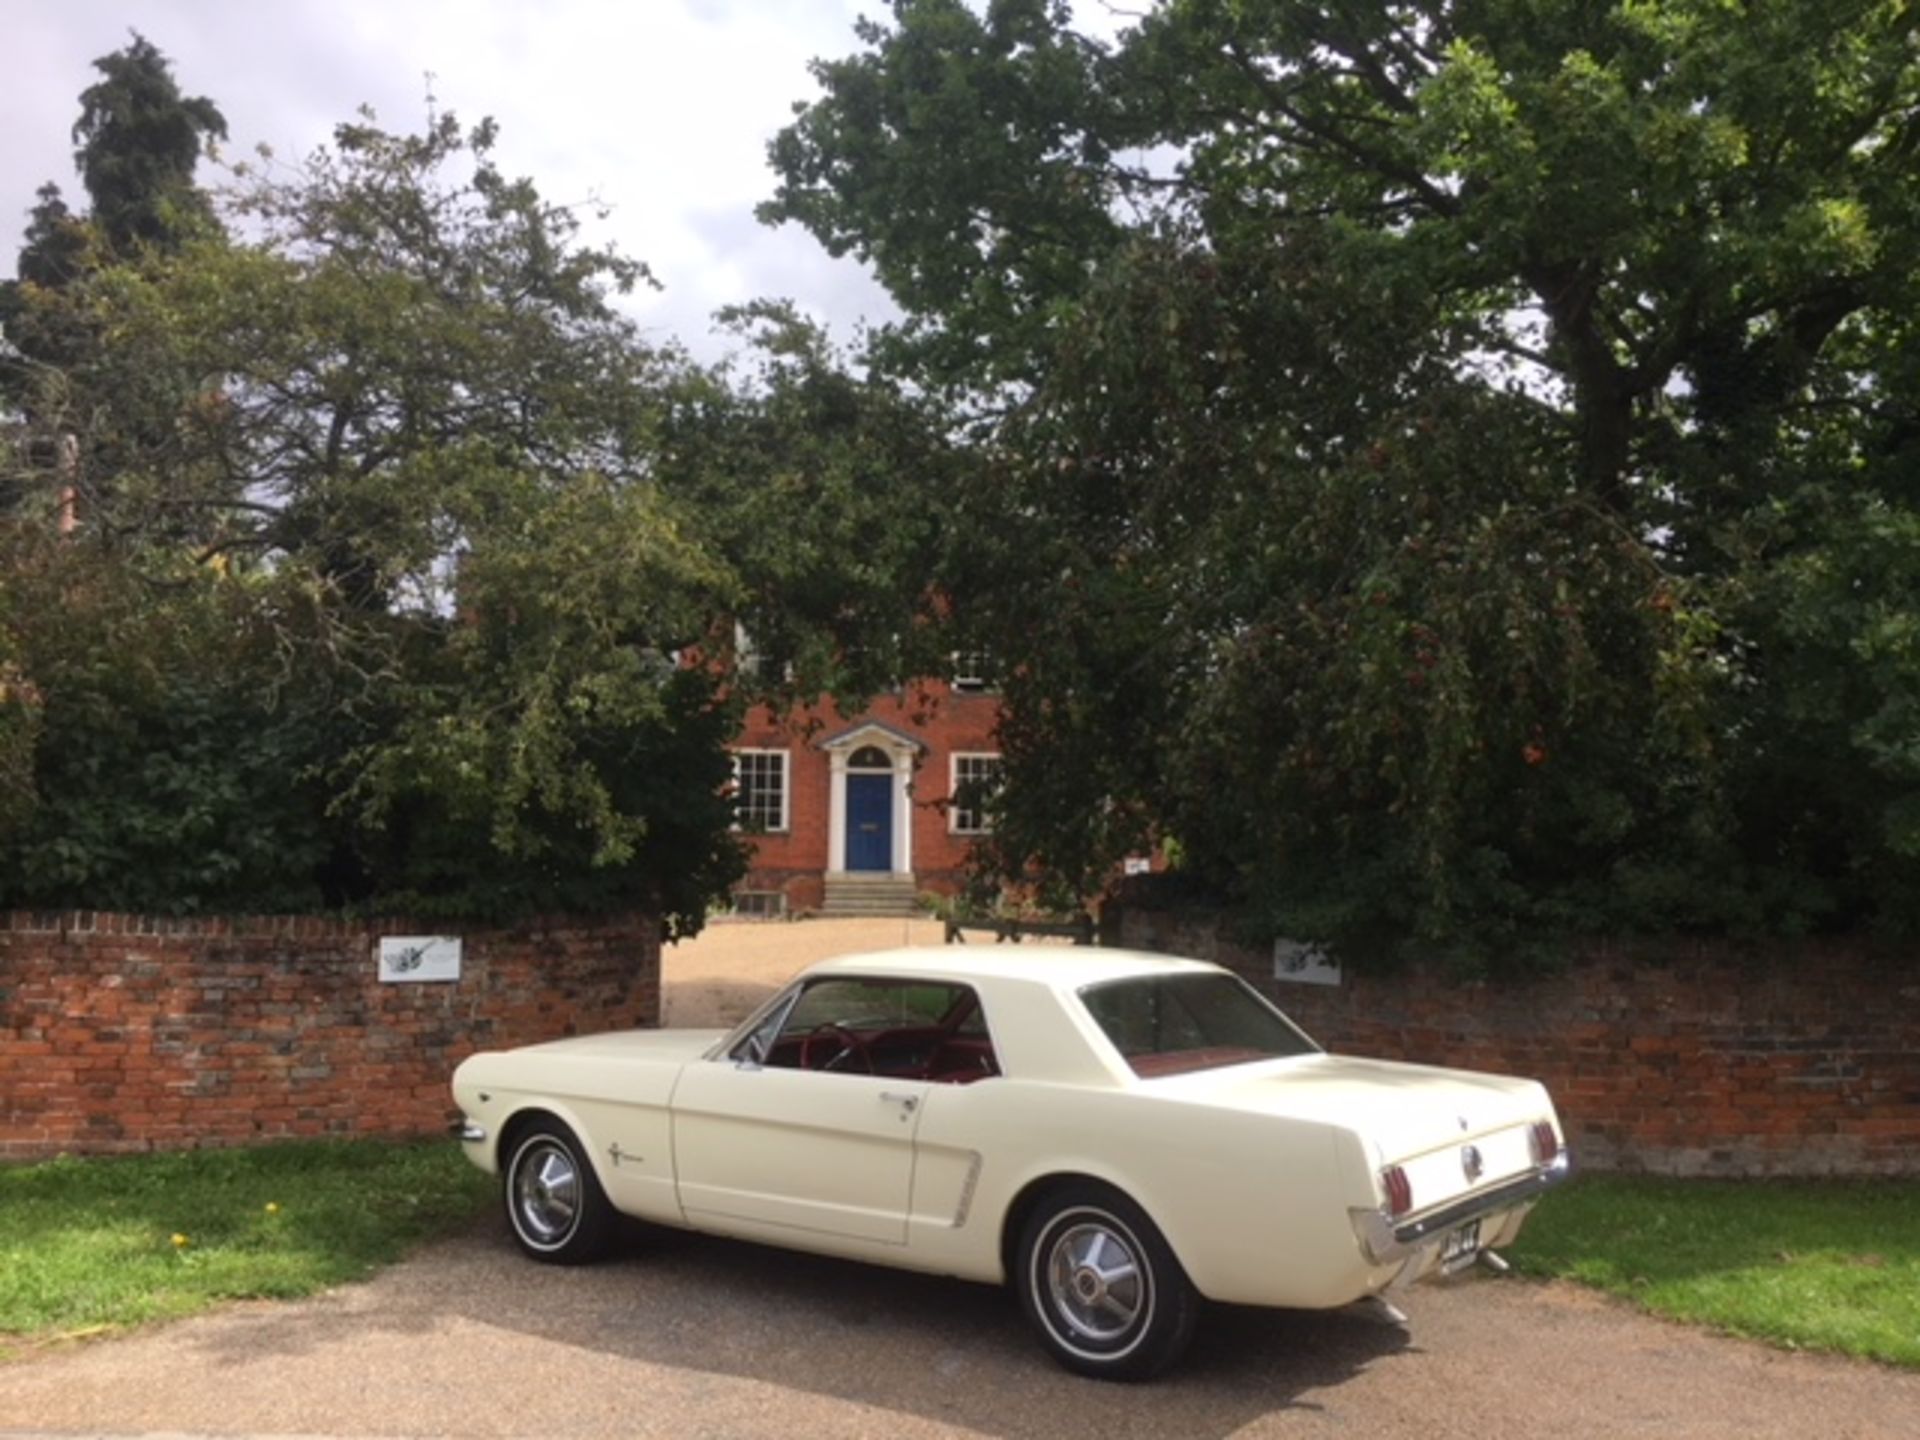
pixel 1701 1061
pixel 945 721
pixel 121 1032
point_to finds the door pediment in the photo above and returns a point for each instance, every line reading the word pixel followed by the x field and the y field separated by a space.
pixel 872 732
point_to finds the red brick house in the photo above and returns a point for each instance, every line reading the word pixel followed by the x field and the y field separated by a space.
pixel 860 814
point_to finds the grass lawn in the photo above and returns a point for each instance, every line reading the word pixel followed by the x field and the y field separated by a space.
pixel 92 1244
pixel 1817 1265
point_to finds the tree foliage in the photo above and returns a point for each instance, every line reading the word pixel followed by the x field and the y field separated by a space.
pixel 137 143
pixel 819 488
pixel 156 771
pixel 388 482
pixel 1448 464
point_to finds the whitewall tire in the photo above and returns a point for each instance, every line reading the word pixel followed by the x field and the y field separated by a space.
pixel 555 1206
pixel 1101 1285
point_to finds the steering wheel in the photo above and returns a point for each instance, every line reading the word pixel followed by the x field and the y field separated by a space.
pixel 851 1045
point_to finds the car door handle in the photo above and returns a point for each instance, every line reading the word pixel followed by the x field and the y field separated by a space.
pixel 894 1097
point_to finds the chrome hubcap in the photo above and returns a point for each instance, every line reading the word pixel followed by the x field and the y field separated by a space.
pixel 1095 1281
pixel 546 1192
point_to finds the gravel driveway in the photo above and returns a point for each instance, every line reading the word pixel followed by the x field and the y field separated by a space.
pixel 733 965
pixel 688 1336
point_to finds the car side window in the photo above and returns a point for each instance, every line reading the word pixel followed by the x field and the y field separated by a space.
pixel 859 1025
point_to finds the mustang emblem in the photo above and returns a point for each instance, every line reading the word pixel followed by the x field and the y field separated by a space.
pixel 1472 1162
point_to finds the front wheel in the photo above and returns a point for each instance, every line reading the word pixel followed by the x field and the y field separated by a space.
pixel 1102 1286
pixel 554 1202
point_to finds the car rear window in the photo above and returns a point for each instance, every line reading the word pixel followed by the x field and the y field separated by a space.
pixel 1170 1024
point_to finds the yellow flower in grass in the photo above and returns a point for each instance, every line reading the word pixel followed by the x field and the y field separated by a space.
pixel 273 1207
pixel 180 1242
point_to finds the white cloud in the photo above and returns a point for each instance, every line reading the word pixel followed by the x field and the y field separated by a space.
pixel 661 110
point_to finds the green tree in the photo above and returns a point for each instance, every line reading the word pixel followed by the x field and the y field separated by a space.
pixel 35 337
pixel 19 723
pixel 409 443
pixel 1461 449
pixel 137 143
pixel 54 251
pixel 819 488
pixel 156 765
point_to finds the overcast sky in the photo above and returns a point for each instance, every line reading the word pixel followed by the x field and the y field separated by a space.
pixel 660 108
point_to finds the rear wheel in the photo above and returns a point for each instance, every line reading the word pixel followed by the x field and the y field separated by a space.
pixel 555 1205
pixel 1102 1286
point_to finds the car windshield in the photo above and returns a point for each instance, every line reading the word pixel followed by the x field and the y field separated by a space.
pixel 1169 1024
pixel 869 1004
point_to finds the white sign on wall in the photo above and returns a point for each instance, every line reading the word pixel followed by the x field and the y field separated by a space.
pixel 1304 964
pixel 413 958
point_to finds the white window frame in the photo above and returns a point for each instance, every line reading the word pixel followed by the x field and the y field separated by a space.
pixel 786 789
pixel 971 671
pixel 748 662
pixel 954 811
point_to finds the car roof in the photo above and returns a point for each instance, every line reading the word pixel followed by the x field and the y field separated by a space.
pixel 1062 967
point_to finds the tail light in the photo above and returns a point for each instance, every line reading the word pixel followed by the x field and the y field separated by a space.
pixel 1399 1190
pixel 1546 1144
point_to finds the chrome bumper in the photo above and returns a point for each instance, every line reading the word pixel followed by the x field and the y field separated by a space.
pixel 1387 1243
pixel 469 1132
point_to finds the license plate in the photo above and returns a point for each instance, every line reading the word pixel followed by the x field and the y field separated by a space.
pixel 1461 1247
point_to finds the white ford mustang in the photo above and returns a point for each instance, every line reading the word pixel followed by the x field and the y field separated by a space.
pixel 1117 1134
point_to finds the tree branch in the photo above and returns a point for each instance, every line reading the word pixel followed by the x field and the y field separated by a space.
pixel 1382 165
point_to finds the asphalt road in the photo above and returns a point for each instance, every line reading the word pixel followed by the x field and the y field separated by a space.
pixel 687 1336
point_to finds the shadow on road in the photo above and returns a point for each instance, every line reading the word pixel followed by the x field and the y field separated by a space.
pixel 950 1352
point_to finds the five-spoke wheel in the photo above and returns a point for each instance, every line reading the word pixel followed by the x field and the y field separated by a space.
pixel 1101 1285
pixel 554 1201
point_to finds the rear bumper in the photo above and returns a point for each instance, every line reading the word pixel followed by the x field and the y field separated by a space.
pixel 1387 1243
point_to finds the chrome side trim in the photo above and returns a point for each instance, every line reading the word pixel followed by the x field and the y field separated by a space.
pixel 967 1188
pixel 1386 1242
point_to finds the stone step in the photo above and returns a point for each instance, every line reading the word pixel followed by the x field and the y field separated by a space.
pixel 870 895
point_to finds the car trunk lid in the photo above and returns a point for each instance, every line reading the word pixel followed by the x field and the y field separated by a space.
pixel 1420 1117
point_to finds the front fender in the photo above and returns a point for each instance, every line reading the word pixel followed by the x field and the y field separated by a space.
pixel 492 1111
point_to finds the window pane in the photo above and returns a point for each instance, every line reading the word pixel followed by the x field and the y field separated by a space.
pixel 760 789
pixel 975 778
pixel 860 1005
pixel 1171 1023
pixel 972 670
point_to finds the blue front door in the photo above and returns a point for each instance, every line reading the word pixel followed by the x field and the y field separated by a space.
pixel 869 822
